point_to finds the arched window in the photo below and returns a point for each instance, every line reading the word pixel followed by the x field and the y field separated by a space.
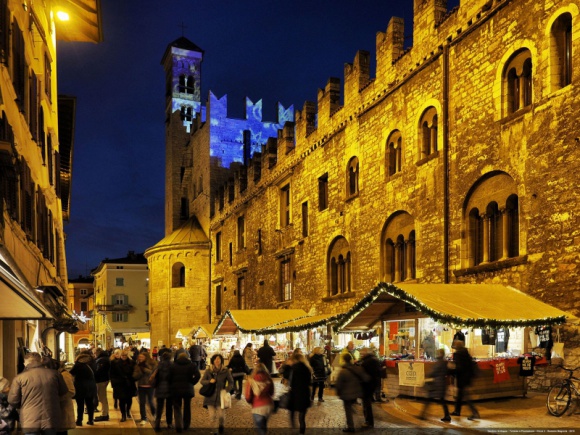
pixel 190 86
pixel 398 250
pixel 428 134
pixel 494 234
pixel 394 152
pixel 339 268
pixel 178 275
pixel 561 51
pixel 352 177
pixel 182 83
pixel 518 81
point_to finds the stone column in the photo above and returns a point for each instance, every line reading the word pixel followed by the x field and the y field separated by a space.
pixel 409 260
pixel 398 249
pixel 505 232
pixel 486 231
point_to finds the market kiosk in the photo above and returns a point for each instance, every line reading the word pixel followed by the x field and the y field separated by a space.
pixel 417 319
pixel 239 327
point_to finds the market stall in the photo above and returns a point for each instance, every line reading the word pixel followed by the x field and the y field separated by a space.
pixel 239 327
pixel 497 323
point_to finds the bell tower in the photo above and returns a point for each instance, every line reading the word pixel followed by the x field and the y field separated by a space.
pixel 182 65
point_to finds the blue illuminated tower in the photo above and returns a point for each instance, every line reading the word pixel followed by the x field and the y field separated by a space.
pixel 182 65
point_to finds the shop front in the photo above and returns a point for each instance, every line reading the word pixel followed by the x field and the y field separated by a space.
pixel 502 327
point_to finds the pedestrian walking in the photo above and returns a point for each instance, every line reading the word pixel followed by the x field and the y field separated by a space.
pixel 142 374
pixel 195 351
pixel 154 353
pixel 437 385
pixel 258 393
pixel 124 387
pixel 102 378
pixel 36 394
pixel 115 355
pixel 85 386
pixel 249 355
pixel 221 376
pixel 298 373
pixel 8 415
pixel 239 370
pixel 321 370
pixel 66 402
pixel 463 373
pixel 266 355
pixel 163 392
pixel 349 387
pixel 372 367
pixel 184 375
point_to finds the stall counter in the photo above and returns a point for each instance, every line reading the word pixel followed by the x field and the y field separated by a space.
pixel 483 386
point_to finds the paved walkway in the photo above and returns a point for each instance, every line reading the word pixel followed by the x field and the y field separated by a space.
pixel 398 416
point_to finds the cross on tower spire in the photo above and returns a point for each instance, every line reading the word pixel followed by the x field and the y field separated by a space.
pixel 183 27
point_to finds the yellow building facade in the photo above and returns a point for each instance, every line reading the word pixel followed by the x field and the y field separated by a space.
pixel 36 144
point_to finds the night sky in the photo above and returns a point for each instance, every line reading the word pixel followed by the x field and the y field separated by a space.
pixel 274 50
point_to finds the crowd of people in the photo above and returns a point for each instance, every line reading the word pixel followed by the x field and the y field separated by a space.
pixel 41 397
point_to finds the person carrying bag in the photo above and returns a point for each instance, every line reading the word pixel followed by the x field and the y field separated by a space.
pixel 222 379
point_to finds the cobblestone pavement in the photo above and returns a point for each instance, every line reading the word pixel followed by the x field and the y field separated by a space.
pixel 397 416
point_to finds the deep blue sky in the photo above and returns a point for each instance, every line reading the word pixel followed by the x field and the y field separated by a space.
pixel 274 50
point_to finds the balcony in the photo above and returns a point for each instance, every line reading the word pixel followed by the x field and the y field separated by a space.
pixel 114 308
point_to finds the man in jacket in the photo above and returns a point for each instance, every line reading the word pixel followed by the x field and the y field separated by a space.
pixel 102 378
pixel 463 373
pixel 266 355
pixel 195 351
pixel 36 391
pixel 349 388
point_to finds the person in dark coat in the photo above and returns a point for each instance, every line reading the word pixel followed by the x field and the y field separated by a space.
pixel 221 376
pixel 372 366
pixel 183 376
pixel 266 355
pixel 319 366
pixel 349 387
pixel 239 369
pixel 299 375
pixel 85 386
pixel 437 385
pixel 124 387
pixel 163 392
pixel 8 415
pixel 102 378
pixel 463 373
pixel 195 351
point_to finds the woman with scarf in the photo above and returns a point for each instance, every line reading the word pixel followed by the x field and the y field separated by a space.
pixel 259 392
pixel 221 376
pixel 124 387
pixel 142 373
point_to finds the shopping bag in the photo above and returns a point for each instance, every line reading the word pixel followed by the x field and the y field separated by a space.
pixel 225 399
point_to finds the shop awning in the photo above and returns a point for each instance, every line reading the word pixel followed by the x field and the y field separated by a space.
pixel 17 300
pixel 302 324
pixel 204 330
pixel 466 305
pixel 184 332
pixel 253 321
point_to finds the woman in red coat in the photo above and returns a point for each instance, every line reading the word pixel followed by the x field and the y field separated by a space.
pixel 259 392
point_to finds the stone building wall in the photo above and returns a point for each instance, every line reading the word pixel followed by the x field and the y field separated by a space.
pixel 465 53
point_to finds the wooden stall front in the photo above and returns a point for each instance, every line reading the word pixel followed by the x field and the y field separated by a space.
pixel 409 312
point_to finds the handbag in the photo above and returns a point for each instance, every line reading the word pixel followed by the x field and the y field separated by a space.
pixel 207 390
pixel 225 399
pixel 284 401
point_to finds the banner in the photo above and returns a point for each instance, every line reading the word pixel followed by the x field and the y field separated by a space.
pixel 411 374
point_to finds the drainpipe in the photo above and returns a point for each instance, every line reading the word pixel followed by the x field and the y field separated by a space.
pixel 445 109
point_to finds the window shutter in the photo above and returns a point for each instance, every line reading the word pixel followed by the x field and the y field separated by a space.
pixel 114 298
pixel 125 317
